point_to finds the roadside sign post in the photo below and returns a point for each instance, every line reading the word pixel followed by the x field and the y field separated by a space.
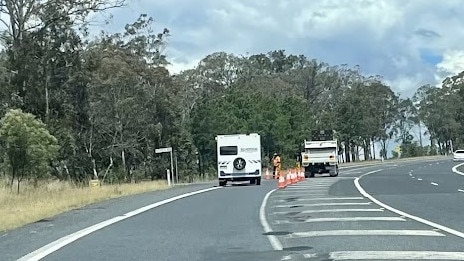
pixel 168 176
pixel 177 169
pixel 164 150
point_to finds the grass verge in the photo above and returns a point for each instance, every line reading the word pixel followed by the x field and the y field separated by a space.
pixel 50 199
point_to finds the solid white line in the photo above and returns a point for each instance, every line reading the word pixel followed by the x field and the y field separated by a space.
pixel 433 183
pixel 299 195
pixel 312 199
pixel 331 210
pixel 356 232
pixel 343 219
pixel 305 189
pixel 326 204
pixel 275 243
pixel 455 169
pixel 396 255
pixel 310 187
pixel 401 213
pixel 61 242
pixel 288 194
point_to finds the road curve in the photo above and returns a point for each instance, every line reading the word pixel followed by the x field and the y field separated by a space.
pixel 319 219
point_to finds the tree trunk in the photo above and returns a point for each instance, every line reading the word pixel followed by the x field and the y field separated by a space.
pixel 347 151
pixel 373 149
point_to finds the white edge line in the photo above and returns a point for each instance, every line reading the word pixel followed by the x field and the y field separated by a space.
pixel 61 242
pixel 455 169
pixel 275 243
pixel 401 213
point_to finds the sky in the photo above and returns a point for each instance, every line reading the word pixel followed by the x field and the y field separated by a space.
pixel 410 43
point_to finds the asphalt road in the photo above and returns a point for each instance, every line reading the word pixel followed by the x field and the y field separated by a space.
pixel 323 218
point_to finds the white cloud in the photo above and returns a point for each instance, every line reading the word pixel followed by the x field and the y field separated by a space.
pixel 452 64
pixel 177 67
pixel 384 37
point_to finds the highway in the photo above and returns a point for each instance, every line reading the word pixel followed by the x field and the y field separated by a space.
pixel 393 211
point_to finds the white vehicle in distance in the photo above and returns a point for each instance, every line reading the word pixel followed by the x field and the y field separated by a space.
pixel 458 155
pixel 239 158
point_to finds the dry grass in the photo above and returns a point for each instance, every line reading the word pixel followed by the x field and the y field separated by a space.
pixel 53 198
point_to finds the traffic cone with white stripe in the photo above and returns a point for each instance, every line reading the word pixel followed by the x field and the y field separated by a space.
pixel 267 174
pixel 293 176
pixel 288 178
pixel 300 175
pixel 281 184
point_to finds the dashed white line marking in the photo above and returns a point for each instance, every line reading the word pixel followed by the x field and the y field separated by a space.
pixel 379 232
pixel 331 210
pixel 396 255
pixel 433 183
pixel 461 190
pixel 401 213
pixel 275 243
pixel 419 179
pixel 309 255
pixel 59 243
pixel 342 219
pixel 325 204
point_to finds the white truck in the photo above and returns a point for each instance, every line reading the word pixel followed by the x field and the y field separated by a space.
pixel 320 155
pixel 239 158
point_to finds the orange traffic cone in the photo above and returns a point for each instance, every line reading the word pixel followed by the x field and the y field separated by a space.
pixel 267 174
pixel 281 184
pixel 288 178
pixel 302 173
pixel 292 176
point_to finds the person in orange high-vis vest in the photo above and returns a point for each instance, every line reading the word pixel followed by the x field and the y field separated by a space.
pixel 276 164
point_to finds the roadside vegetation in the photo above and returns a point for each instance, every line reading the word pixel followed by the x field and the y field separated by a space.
pixel 76 107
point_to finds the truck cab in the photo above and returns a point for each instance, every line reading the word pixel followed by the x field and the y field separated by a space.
pixel 320 155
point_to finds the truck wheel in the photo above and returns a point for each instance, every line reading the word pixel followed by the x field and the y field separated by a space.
pixel 312 174
pixel 334 173
pixel 222 183
pixel 258 181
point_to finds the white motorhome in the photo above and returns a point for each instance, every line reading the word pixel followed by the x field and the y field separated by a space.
pixel 239 158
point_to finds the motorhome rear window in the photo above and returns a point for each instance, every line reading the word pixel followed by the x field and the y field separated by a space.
pixel 228 150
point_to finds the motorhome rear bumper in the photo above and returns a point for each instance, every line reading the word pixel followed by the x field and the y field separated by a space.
pixel 239 176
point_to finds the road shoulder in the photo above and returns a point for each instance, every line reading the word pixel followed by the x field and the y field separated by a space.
pixel 23 240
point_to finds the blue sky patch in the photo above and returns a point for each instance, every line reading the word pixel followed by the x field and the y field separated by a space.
pixel 430 57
